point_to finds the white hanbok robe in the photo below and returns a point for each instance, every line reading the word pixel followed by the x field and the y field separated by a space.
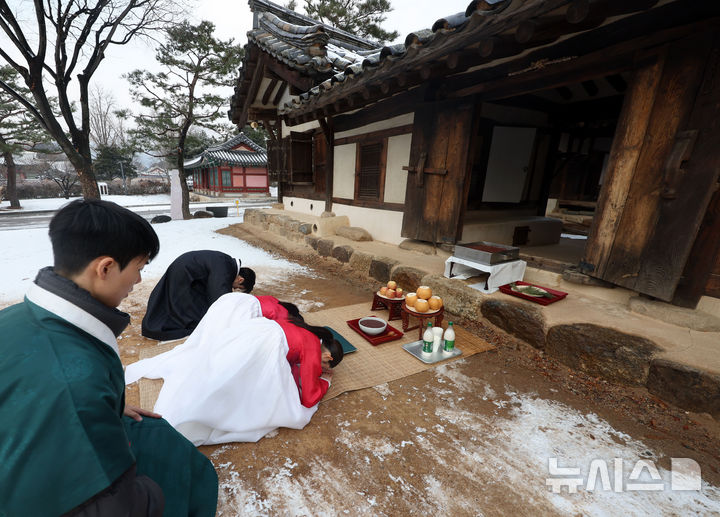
pixel 230 381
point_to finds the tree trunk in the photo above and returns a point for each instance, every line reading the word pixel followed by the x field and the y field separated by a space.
pixel 88 183
pixel 11 180
pixel 183 187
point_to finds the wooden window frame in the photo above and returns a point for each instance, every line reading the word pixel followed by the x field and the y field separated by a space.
pixel 305 139
pixel 383 142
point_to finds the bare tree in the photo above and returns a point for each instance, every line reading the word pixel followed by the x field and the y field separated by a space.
pixel 65 180
pixel 66 40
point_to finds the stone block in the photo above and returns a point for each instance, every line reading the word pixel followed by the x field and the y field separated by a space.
pixel 160 219
pixel 680 316
pixel 343 253
pixel 305 228
pixel 602 352
pixel 687 387
pixel 522 321
pixel 360 261
pixel 354 233
pixel 419 246
pixel 312 241
pixel 202 214
pixel 457 298
pixel 325 247
pixel 380 268
pixel 409 278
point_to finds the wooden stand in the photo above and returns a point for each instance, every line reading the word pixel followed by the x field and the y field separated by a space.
pixel 392 305
pixel 422 317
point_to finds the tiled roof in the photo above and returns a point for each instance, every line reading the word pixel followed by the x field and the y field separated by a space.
pixel 224 154
pixel 308 49
pixel 242 158
pixel 489 33
pixel 481 16
pixel 235 141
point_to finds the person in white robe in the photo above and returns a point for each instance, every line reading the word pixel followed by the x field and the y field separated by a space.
pixel 230 381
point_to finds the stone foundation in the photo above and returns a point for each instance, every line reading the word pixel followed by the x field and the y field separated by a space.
pixel 594 349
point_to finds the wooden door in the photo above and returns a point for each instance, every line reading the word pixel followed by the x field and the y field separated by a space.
pixel 438 171
pixel 662 171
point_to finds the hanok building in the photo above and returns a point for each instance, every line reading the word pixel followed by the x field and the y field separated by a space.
pixel 236 167
pixel 474 129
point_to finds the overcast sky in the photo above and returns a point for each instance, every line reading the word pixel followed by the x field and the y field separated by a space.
pixel 233 19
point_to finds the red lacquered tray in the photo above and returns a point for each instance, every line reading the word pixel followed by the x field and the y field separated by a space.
pixel 390 333
pixel 557 295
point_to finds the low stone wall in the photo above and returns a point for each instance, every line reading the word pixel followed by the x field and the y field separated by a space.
pixel 596 350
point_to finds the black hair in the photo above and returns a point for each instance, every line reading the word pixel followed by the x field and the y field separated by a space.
pixel 86 229
pixel 326 338
pixel 293 310
pixel 248 278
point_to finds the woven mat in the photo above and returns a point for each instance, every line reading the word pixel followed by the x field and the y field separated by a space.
pixel 369 366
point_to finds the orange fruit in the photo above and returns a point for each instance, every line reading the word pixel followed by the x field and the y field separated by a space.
pixel 435 303
pixel 422 305
pixel 424 292
pixel 410 299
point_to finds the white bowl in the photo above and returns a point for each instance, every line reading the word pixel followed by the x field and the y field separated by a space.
pixel 375 329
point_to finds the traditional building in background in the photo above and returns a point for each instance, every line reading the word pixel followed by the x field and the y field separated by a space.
pixel 604 113
pixel 235 168
pixel 155 173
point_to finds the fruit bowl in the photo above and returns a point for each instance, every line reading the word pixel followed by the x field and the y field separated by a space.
pixel 372 325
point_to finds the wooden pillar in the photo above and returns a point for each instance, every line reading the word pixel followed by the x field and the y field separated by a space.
pixel 662 171
pixel 329 132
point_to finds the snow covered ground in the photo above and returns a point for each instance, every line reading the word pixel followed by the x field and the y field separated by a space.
pixel 23 253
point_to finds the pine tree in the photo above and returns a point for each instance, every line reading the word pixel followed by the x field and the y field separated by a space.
pixel 360 17
pixel 195 65
pixel 18 130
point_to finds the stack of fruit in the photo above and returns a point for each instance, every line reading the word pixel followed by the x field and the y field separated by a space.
pixel 391 290
pixel 423 300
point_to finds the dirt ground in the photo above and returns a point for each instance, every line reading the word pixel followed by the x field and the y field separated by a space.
pixel 469 438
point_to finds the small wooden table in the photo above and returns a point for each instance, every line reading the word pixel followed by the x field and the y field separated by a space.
pixel 422 317
pixel 391 304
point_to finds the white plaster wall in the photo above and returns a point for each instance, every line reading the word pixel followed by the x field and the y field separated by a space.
pixel 383 225
pixel 508 163
pixel 344 171
pixel 304 206
pixel 299 128
pixel 398 156
pixel 400 120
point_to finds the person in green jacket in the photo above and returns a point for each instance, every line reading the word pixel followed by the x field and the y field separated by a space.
pixel 68 443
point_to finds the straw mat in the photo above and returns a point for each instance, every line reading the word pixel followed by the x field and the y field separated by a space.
pixel 369 366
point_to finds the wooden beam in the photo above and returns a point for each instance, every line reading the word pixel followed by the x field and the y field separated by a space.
pixel 400 104
pixel 329 133
pixel 590 87
pixel 269 129
pixel 375 135
pixel 252 89
pixel 617 82
pixel 269 89
pixel 290 76
pixel 279 94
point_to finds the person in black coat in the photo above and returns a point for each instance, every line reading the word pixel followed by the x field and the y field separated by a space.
pixel 187 290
